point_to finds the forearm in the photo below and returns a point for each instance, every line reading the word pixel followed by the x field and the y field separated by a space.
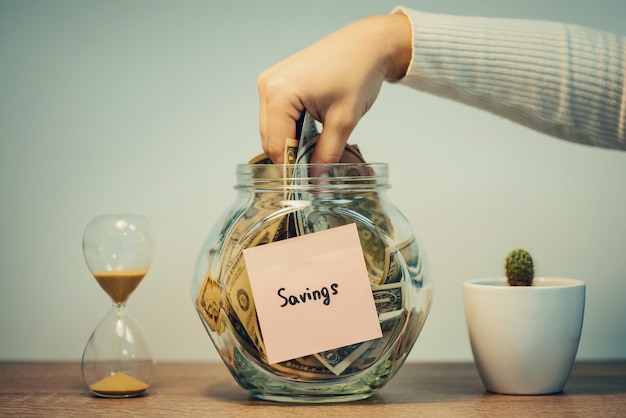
pixel 563 80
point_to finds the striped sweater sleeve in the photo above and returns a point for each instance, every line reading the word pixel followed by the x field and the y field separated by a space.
pixel 564 80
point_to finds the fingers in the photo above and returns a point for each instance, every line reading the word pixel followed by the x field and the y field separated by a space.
pixel 334 136
pixel 262 117
pixel 279 111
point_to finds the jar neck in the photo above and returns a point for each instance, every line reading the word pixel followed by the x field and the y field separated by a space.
pixel 361 177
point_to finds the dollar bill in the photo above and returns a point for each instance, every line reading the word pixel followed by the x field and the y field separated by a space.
pixel 389 297
pixel 240 300
pixel 290 154
pixel 372 237
pixel 366 212
pixel 355 358
pixel 210 303
pixel 306 368
pixel 339 359
pixel 379 347
pixel 238 330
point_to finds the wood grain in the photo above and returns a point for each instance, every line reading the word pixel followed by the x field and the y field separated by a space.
pixel 208 389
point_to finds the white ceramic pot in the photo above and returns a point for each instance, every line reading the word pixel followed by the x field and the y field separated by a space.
pixel 524 338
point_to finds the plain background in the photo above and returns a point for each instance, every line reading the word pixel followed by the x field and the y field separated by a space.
pixel 147 106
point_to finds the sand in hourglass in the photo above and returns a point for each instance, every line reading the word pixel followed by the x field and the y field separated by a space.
pixel 119 384
pixel 119 285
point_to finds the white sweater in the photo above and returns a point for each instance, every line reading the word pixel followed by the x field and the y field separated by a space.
pixel 564 80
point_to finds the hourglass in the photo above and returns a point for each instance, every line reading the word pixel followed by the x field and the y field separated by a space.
pixel 117 361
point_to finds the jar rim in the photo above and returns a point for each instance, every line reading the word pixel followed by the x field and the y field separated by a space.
pixel 338 175
pixel 316 165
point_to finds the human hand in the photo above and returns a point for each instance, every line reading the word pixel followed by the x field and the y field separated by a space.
pixel 336 80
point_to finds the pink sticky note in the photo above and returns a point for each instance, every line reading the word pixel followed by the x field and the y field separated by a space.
pixel 312 293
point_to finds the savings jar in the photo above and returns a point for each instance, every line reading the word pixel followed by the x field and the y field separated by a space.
pixel 292 220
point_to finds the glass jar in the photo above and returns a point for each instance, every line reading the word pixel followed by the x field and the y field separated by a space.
pixel 277 202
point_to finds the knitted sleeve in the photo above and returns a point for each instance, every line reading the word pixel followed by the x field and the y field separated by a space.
pixel 563 80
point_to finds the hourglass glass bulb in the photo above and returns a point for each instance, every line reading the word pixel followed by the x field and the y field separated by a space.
pixel 118 250
pixel 117 361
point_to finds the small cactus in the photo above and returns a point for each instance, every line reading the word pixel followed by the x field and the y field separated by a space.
pixel 519 268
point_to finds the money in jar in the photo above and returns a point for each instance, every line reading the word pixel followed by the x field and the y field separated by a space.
pixel 281 203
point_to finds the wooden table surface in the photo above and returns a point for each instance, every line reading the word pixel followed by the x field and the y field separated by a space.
pixel 207 389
